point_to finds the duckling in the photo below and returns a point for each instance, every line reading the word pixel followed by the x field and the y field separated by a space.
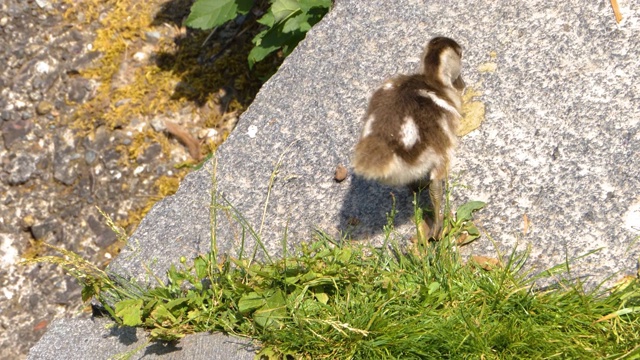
pixel 409 133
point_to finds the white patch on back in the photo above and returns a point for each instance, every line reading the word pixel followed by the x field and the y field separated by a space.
pixel 409 132
pixel 387 85
pixel 439 101
pixel 367 126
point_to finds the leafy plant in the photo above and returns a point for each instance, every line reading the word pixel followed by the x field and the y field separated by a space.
pixel 286 21
pixel 354 302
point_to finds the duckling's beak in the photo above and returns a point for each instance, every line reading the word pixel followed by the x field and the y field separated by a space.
pixel 459 83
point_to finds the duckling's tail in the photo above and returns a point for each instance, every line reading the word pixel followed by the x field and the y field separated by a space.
pixel 372 158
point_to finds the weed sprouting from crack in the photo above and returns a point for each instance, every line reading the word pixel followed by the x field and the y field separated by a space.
pixel 342 300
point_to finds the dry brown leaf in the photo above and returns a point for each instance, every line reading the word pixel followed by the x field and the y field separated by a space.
pixel 485 262
pixel 526 224
pixel 462 239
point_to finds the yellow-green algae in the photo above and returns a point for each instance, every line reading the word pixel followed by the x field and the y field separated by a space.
pixel 181 74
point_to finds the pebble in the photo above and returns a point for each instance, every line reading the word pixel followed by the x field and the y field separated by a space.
pixel 20 169
pixel 158 124
pixel 5 115
pixel 152 36
pixel 35 96
pixel 138 170
pixel 44 107
pixel 42 67
pixel 90 157
pixel 207 133
pixel 341 173
pixel 14 131
pixel 140 56
pixel 20 105
pixel 43 3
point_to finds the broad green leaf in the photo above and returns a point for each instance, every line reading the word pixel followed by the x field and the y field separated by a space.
pixel 244 6
pixel 200 266
pixel 306 5
pixel 160 292
pixel 322 297
pixel 130 311
pixel 259 52
pixel 193 314
pixel 433 287
pixel 296 23
pixel 344 255
pixel 472 230
pixel 174 276
pixel 162 314
pixel 166 334
pixel 273 310
pixel 282 9
pixel 207 14
pixel 249 302
pixel 175 303
pixel 464 211
pixel 267 19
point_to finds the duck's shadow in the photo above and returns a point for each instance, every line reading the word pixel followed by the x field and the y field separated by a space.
pixel 368 205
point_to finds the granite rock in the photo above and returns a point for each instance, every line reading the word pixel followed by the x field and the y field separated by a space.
pixel 553 159
pixel 95 338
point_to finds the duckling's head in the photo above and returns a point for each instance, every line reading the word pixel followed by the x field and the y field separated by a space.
pixel 443 61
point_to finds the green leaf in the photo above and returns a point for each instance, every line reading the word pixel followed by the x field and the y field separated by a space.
pixel 244 6
pixel 343 256
pixel 207 14
pixel 464 211
pixel 88 291
pixel 200 266
pixel 433 287
pixel 273 310
pixel 472 230
pixel 322 297
pixel 161 314
pixel 175 303
pixel 282 9
pixel 298 22
pixel 166 334
pixel 249 302
pixel 130 311
pixel 306 5
pixel 174 276
pixel 267 19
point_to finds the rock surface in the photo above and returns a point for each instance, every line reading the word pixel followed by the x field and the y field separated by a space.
pixel 555 159
pixel 84 338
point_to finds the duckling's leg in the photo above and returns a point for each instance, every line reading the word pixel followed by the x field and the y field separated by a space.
pixel 435 194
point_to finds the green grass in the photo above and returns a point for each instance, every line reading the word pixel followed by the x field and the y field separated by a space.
pixel 337 300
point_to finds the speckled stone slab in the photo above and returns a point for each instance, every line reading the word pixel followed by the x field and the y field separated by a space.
pixel 555 159
pixel 85 338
